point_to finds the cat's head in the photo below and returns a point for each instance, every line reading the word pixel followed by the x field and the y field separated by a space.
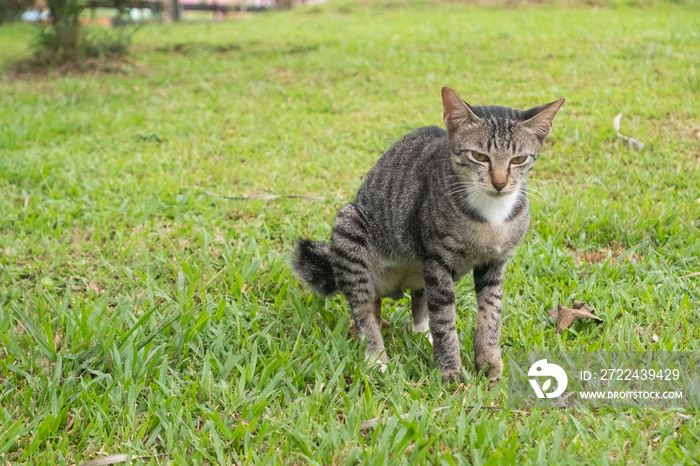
pixel 494 148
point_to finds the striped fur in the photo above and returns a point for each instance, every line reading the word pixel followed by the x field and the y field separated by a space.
pixel 431 210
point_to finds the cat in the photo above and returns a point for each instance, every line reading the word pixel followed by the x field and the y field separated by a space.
pixel 437 205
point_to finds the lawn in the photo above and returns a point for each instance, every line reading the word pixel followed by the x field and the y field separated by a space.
pixel 143 312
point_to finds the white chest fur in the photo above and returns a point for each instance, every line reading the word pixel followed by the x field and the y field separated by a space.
pixel 495 209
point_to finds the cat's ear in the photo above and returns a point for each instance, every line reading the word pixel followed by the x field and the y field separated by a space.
pixel 457 111
pixel 539 119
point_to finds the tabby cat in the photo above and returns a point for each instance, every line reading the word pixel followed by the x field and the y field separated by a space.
pixel 436 206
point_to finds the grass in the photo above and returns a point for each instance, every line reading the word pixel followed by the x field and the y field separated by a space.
pixel 141 315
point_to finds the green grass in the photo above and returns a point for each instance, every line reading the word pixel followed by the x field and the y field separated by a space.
pixel 141 315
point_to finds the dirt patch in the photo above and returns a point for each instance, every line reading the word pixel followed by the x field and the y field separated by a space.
pixel 252 48
pixel 596 255
pixel 33 69
pixel 190 48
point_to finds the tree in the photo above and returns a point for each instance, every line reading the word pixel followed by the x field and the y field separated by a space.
pixel 284 4
pixel 64 40
pixel 67 40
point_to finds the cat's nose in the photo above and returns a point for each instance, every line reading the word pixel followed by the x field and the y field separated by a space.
pixel 499 185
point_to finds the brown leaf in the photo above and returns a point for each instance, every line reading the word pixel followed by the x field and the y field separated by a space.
pixel 566 315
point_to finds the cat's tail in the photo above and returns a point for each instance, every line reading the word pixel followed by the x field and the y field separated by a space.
pixel 311 262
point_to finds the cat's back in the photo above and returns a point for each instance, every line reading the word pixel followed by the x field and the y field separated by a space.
pixel 402 164
pixel 421 136
pixel 398 184
pixel 414 147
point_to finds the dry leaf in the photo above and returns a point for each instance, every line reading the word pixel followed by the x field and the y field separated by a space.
pixel 566 315
pixel 632 142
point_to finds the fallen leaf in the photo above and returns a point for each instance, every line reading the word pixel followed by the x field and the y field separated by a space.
pixel 636 144
pixel 566 315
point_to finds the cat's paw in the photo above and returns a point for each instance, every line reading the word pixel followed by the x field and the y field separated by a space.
pixel 422 327
pixel 380 362
pixel 452 376
pixel 493 361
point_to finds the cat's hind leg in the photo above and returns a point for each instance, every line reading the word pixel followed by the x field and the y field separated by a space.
pixel 352 256
pixel 419 309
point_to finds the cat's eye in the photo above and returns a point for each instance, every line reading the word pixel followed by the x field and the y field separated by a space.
pixel 480 157
pixel 518 160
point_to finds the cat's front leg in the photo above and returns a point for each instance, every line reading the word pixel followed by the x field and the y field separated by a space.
pixel 440 294
pixel 488 283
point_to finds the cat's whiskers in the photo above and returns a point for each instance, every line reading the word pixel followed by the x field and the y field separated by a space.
pixel 457 188
pixel 537 180
pixel 534 194
pixel 531 189
pixel 471 189
pixel 462 193
pixel 534 197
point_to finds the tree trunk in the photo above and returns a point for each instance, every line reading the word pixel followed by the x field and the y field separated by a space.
pixel 176 10
pixel 65 16
pixel 284 4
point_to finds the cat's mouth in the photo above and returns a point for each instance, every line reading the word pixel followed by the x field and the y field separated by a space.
pixel 499 193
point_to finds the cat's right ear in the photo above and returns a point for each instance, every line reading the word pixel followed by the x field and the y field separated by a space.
pixel 457 112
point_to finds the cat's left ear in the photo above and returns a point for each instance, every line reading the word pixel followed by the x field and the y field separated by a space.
pixel 539 119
